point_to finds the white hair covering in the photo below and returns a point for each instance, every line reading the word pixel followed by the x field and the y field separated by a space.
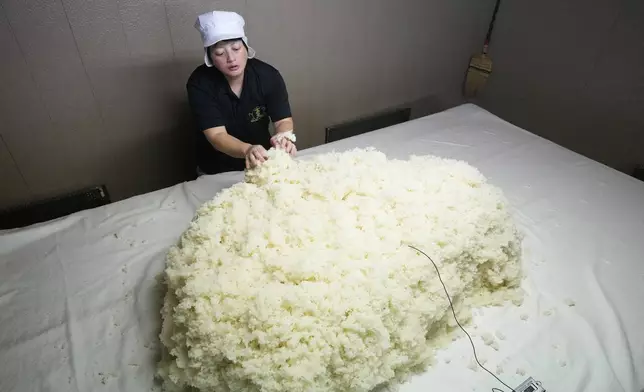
pixel 219 26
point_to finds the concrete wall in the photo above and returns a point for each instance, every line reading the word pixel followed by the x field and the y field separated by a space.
pixel 93 91
pixel 573 72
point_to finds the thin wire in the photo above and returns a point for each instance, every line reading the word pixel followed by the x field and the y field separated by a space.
pixel 459 324
pixel 488 36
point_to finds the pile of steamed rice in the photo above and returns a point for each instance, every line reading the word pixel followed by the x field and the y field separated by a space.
pixel 300 278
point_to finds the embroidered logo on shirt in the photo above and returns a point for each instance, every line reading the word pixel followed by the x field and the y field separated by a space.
pixel 257 114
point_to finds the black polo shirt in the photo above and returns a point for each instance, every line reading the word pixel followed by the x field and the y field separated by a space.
pixel 213 104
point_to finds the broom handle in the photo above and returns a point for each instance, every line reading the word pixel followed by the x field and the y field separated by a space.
pixel 488 37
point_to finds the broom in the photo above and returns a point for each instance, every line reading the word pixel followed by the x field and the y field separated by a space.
pixel 480 64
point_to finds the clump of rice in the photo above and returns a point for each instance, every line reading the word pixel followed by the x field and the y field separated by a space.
pixel 300 278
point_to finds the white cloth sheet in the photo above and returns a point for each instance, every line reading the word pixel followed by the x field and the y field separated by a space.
pixel 80 299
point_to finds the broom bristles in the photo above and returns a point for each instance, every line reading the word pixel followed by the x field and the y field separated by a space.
pixel 477 74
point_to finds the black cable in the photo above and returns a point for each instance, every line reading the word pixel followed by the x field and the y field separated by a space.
pixel 488 36
pixel 459 324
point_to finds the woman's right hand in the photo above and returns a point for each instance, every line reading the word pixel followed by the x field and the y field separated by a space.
pixel 255 156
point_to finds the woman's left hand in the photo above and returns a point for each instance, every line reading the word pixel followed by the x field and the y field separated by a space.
pixel 285 144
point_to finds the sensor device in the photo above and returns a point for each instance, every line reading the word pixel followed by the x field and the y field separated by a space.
pixel 530 385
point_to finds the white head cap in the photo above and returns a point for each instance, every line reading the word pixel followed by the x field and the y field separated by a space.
pixel 219 26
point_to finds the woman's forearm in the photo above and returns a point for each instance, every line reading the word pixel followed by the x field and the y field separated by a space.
pixel 284 125
pixel 226 143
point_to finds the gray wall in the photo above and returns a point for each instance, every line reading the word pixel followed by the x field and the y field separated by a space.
pixel 573 72
pixel 93 92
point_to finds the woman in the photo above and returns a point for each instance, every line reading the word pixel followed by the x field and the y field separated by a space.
pixel 233 98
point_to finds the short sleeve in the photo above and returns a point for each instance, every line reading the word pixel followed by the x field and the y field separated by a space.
pixel 204 106
pixel 277 104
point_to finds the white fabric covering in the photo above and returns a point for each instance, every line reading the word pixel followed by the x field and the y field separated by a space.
pixel 79 300
pixel 216 26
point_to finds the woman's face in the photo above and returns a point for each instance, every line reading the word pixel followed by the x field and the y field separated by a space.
pixel 229 57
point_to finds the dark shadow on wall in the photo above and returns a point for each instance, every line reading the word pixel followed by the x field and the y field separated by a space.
pixel 576 122
pixel 432 104
pixel 148 137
